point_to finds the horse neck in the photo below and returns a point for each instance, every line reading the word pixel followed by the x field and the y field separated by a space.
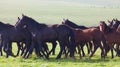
pixel 71 24
pixel 31 28
pixel 115 26
pixel 5 26
pixel 101 29
pixel 35 27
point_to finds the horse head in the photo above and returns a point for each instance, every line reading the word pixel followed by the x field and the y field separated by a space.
pixel 102 26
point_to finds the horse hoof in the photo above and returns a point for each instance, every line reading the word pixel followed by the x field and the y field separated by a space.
pixel 57 58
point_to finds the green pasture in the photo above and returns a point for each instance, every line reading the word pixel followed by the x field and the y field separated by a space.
pixel 53 13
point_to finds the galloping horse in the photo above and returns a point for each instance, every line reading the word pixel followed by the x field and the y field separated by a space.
pixel 73 25
pixel 111 35
pixel 44 33
pixel 88 35
pixel 13 35
pixel 5 27
pixel 115 24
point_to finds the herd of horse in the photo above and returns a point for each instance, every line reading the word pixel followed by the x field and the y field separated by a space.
pixel 32 36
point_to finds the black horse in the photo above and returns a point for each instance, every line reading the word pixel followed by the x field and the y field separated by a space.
pixel 3 27
pixel 73 25
pixel 11 34
pixel 45 33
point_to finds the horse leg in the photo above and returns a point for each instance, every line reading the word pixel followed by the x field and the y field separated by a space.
pixel 45 48
pixel 117 49
pixel 54 44
pixel 61 50
pixel 37 50
pixel 78 47
pixel 67 48
pixel 19 46
pixel 23 50
pixel 41 50
pixel 1 45
pixel 112 53
pixel 95 48
pixel 28 45
pixel 30 50
pixel 10 49
pixel 6 48
pixel 82 45
pixel 79 50
pixel 102 51
pixel 90 47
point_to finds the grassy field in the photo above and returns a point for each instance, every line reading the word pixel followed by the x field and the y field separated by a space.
pixel 53 13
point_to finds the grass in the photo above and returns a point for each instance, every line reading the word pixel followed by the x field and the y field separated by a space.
pixel 53 13
pixel 33 61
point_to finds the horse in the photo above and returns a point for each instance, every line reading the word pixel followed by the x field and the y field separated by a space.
pixel 73 25
pixel 4 27
pixel 17 36
pixel 115 24
pixel 45 33
pixel 111 35
pixel 88 35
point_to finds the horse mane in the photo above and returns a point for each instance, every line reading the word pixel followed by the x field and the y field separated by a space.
pixel 37 24
pixel 116 24
pixel 107 28
pixel 5 24
pixel 72 24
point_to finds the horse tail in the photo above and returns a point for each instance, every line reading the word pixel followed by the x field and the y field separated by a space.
pixel 1 42
pixel 72 43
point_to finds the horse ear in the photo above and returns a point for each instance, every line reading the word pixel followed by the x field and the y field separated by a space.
pixel 23 15
pixel 62 22
pixel 108 21
pixel 18 18
pixel 113 19
pixel 63 19
pixel 116 19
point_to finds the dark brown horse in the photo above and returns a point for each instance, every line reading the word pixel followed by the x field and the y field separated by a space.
pixel 45 33
pixel 111 35
pixel 14 35
pixel 88 35
pixel 75 26
pixel 5 29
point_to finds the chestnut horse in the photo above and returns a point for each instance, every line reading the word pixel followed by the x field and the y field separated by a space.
pixel 88 35
pixel 73 25
pixel 115 24
pixel 111 35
